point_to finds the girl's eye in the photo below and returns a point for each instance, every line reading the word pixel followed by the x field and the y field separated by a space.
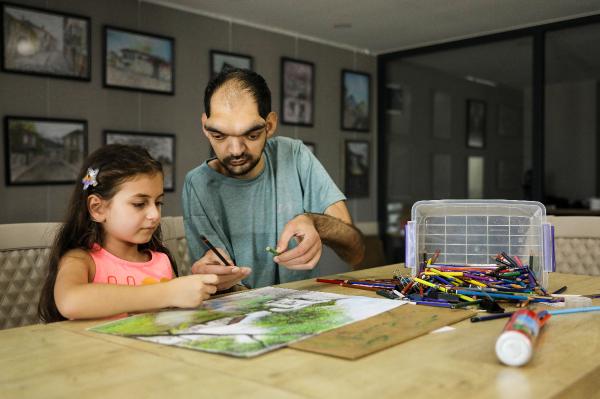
pixel 159 203
pixel 218 137
pixel 139 204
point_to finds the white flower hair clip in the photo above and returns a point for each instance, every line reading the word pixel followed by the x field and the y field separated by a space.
pixel 90 178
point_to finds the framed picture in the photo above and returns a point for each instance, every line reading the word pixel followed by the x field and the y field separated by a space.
pixel 220 60
pixel 297 92
pixel 356 101
pixel 139 61
pixel 42 150
pixel 357 168
pixel 476 121
pixel 47 43
pixel 160 145
pixel 312 147
pixel 394 99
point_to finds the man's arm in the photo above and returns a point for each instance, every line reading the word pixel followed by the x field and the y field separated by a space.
pixel 337 232
pixel 334 228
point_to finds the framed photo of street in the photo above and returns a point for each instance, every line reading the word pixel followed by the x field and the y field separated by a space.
pixel 297 92
pixel 160 145
pixel 476 121
pixel 138 61
pixel 221 60
pixel 43 150
pixel 356 101
pixel 357 168
pixel 42 42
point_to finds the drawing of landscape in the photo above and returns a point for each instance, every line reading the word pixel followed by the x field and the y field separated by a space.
pixel 249 323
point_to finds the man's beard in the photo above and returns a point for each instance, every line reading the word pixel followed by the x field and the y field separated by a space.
pixel 240 170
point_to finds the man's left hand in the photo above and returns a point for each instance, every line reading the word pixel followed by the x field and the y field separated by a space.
pixel 308 252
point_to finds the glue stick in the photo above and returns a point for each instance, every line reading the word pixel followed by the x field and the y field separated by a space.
pixel 514 346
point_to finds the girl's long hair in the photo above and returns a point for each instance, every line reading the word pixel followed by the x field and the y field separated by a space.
pixel 117 164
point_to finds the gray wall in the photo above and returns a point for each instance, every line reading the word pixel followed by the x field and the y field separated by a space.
pixel 194 36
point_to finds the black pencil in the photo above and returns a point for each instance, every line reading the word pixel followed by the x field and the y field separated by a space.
pixel 215 251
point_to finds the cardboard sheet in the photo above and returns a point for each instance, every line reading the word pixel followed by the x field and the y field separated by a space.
pixel 382 331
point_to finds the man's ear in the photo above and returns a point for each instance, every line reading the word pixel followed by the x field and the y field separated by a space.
pixel 272 120
pixel 97 208
pixel 204 119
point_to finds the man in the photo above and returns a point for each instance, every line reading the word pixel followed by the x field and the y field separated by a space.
pixel 260 191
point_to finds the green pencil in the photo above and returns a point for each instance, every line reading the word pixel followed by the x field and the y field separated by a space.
pixel 272 251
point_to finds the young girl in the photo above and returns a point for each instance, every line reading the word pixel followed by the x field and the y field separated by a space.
pixel 108 258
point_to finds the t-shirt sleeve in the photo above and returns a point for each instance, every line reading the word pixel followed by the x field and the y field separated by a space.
pixel 320 191
pixel 196 222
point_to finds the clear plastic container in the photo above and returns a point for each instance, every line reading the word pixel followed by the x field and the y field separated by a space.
pixel 472 232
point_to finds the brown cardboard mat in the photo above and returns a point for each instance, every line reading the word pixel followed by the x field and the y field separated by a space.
pixel 382 331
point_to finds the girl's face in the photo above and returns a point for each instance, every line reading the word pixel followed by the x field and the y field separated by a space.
pixel 133 214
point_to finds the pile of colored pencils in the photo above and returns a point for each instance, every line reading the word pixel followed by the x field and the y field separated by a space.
pixel 455 286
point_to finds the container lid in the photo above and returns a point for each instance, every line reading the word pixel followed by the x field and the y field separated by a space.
pixel 513 348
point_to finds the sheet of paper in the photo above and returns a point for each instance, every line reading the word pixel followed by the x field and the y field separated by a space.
pixel 251 322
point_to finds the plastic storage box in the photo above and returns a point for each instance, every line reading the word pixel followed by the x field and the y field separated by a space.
pixel 472 232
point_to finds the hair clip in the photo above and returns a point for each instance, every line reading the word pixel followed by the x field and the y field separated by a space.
pixel 90 178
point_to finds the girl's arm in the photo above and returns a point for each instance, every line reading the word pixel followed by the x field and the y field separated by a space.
pixel 77 298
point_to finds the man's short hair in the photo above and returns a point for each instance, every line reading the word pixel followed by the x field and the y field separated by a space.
pixel 248 80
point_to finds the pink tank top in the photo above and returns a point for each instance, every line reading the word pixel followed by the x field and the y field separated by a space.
pixel 113 270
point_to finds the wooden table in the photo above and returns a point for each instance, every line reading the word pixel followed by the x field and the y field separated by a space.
pixel 63 360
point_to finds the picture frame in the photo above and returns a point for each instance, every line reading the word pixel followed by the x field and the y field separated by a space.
pixel 356 101
pixel 47 43
pixel 43 151
pixel 220 60
pixel 476 123
pixel 312 147
pixel 357 161
pixel 297 92
pixel 160 145
pixel 139 61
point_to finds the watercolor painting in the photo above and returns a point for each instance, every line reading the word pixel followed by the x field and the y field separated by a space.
pixel 249 323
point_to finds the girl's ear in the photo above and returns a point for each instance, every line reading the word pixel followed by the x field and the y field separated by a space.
pixel 97 208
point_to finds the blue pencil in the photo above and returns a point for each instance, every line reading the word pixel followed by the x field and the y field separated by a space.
pixel 575 310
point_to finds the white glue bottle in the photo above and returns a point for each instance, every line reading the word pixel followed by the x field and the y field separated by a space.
pixel 514 346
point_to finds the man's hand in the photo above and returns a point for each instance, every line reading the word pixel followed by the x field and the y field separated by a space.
pixel 228 276
pixel 308 252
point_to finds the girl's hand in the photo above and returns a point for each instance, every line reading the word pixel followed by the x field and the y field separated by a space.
pixel 190 291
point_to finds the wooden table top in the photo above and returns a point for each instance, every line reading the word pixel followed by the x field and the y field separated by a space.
pixel 63 360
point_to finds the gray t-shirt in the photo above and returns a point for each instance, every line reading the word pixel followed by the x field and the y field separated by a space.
pixel 246 216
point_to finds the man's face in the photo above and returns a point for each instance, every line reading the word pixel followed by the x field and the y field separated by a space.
pixel 236 131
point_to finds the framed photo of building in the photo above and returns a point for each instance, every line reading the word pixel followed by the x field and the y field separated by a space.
pixel 160 145
pixel 356 101
pixel 297 92
pixel 46 43
pixel 476 121
pixel 220 60
pixel 357 168
pixel 139 61
pixel 43 150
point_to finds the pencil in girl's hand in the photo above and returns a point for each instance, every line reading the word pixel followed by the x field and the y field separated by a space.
pixel 215 251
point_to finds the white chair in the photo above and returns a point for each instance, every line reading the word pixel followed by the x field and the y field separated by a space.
pixel 577 244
